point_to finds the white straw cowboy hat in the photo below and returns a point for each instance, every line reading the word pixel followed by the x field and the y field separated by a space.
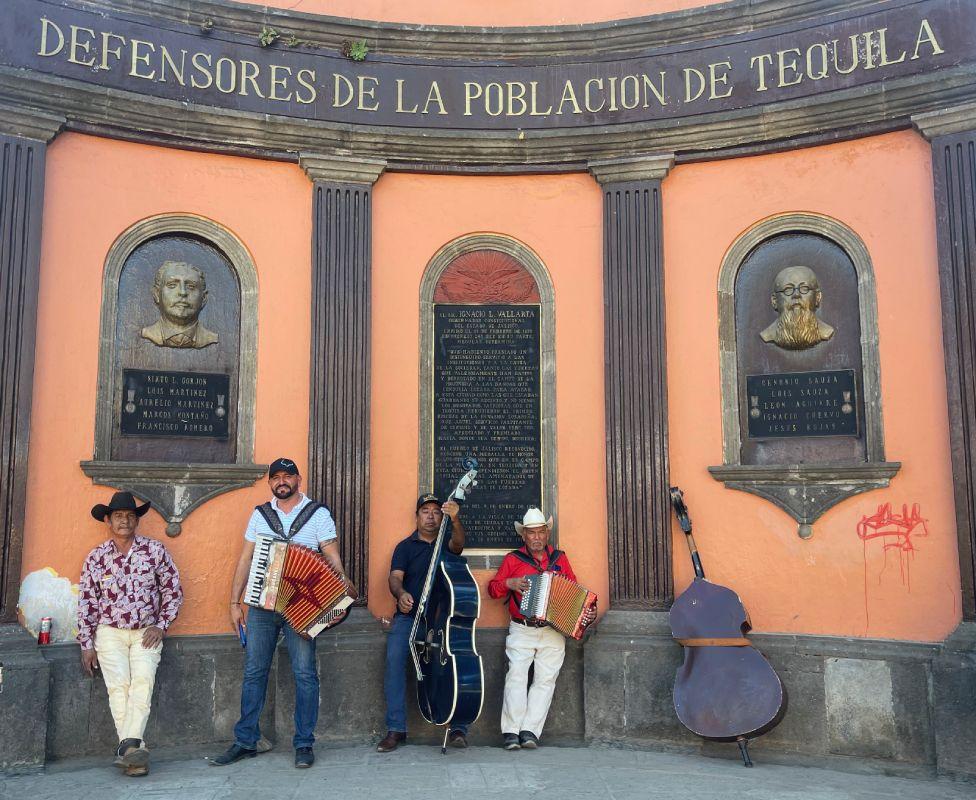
pixel 533 519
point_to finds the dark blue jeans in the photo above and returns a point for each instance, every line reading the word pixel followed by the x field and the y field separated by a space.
pixel 395 677
pixel 263 630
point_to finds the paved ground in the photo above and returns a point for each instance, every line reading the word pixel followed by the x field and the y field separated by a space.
pixel 479 773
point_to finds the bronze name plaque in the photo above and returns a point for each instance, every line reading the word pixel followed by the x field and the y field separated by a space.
pixel 158 403
pixel 487 403
pixel 792 404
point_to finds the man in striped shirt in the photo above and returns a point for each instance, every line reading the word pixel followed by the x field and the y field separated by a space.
pixel 293 516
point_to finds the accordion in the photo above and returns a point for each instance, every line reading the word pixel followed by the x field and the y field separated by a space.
pixel 298 583
pixel 558 601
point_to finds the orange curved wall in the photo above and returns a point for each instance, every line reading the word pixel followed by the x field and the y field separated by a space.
pixel 498 13
pixel 834 583
pixel 95 189
pixel 559 218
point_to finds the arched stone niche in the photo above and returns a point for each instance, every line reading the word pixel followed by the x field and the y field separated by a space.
pixel 504 291
pixel 801 418
pixel 174 418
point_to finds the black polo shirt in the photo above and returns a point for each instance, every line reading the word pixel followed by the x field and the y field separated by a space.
pixel 412 555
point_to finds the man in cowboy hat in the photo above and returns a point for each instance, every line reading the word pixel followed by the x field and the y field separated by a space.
pixel 530 642
pixel 129 594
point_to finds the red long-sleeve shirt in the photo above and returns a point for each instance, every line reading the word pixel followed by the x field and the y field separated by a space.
pixel 512 567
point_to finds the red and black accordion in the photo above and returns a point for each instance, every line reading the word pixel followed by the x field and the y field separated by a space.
pixel 558 601
pixel 298 583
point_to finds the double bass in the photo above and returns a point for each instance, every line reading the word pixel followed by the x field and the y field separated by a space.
pixel 450 677
pixel 724 689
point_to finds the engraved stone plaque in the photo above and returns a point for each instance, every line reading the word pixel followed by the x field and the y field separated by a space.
pixel 176 370
pixel 793 404
pixel 486 402
pixel 797 312
pixel 189 404
pixel 178 316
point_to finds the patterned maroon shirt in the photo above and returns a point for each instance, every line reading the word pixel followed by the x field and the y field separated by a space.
pixel 130 591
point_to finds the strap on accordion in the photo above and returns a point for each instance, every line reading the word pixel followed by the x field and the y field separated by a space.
pixel 272 518
pixel 526 559
pixel 274 521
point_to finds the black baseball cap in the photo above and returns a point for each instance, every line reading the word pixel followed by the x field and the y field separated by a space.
pixel 424 499
pixel 283 465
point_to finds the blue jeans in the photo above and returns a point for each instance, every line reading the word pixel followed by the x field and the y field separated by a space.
pixel 263 629
pixel 395 677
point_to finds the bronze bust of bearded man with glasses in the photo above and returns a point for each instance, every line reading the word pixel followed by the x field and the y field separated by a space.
pixel 796 298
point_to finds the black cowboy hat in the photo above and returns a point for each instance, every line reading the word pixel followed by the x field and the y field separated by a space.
pixel 121 501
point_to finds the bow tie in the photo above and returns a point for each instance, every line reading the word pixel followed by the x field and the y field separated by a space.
pixel 179 340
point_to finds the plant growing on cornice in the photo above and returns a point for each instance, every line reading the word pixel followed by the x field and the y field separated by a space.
pixel 355 49
pixel 268 36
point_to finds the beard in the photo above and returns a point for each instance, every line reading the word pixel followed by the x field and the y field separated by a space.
pixel 798 328
pixel 284 491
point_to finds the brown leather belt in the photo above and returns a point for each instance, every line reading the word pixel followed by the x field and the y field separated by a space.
pixel 530 623
pixel 730 642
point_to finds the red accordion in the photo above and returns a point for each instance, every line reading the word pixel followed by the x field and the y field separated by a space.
pixel 558 601
pixel 298 583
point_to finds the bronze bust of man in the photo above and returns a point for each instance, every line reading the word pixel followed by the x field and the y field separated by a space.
pixel 179 291
pixel 796 298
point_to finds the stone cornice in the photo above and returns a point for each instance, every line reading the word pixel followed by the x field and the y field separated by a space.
pixel 642 168
pixel 482 43
pixel 29 124
pixel 336 169
pixel 946 121
pixel 113 112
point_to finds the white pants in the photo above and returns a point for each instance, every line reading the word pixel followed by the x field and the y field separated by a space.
pixel 129 671
pixel 525 708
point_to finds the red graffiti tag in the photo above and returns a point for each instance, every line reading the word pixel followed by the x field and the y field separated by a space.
pixel 896 530
pixel 897 533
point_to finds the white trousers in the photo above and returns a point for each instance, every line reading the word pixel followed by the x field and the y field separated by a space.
pixel 129 671
pixel 525 707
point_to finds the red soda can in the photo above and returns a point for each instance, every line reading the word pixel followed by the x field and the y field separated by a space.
pixel 44 636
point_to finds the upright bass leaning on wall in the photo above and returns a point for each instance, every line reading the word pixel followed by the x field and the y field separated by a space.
pixel 725 689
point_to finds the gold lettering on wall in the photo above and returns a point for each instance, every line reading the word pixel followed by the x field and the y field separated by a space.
pixel 613 91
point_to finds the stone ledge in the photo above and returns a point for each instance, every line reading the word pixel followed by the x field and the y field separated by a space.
pixel 624 170
pixel 335 169
pixel 29 124
pixel 174 490
pixel 806 491
pixel 946 121
pixel 116 113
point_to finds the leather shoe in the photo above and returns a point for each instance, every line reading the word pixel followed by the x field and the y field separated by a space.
pixel 304 757
pixel 118 754
pixel 528 740
pixel 134 754
pixel 457 739
pixel 391 742
pixel 233 753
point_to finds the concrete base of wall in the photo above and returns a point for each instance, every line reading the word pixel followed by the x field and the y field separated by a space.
pixel 954 703
pixel 898 707
pixel 24 702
